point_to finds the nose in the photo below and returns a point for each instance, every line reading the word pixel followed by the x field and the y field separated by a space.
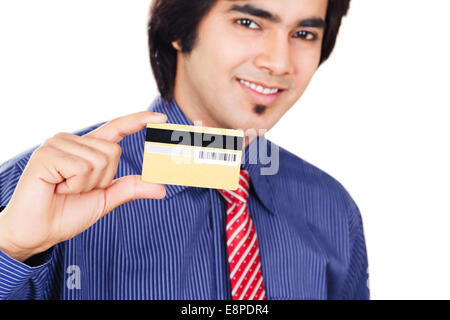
pixel 275 55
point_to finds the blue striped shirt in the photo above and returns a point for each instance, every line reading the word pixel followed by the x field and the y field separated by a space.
pixel 309 230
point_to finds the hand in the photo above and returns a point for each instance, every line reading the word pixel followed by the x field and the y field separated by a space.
pixel 68 185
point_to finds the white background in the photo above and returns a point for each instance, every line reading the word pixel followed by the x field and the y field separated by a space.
pixel 375 116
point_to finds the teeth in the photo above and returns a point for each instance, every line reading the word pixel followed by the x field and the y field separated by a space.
pixel 259 88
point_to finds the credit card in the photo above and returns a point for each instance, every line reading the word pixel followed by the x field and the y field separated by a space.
pixel 192 156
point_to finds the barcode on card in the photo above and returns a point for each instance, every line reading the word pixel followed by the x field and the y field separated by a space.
pixel 215 157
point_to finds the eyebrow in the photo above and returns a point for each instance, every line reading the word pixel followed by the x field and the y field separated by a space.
pixel 266 15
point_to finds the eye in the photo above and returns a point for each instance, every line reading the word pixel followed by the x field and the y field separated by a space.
pixel 248 23
pixel 306 35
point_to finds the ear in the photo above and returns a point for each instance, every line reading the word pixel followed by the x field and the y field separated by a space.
pixel 176 45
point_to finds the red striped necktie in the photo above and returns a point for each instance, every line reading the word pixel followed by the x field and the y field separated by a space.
pixel 242 244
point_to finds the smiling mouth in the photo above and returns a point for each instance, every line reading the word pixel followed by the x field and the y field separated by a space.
pixel 260 94
pixel 259 88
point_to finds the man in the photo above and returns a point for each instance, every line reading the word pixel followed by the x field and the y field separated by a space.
pixel 229 64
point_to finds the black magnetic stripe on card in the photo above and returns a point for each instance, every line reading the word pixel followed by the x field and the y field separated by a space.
pixel 197 139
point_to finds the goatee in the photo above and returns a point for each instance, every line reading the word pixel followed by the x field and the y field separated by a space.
pixel 259 109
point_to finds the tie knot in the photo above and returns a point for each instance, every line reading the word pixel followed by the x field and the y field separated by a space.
pixel 241 193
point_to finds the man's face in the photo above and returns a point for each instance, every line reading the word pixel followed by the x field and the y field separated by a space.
pixel 251 62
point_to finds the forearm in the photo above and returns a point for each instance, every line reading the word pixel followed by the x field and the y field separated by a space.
pixel 21 277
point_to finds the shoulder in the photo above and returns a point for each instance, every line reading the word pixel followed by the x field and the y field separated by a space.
pixel 11 170
pixel 316 193
pixel 306 195
pixel 297 171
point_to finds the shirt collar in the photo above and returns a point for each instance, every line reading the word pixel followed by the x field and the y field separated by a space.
pixel 250 158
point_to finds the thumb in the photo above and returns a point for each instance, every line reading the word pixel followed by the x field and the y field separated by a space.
pixel 130 188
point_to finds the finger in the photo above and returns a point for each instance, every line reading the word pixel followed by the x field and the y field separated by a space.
pixel 130 188
pixel 115 130
pixel 67 171
pixel 111 152
pixel 97 159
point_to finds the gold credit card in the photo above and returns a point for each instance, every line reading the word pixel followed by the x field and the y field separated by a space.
pixel 192 156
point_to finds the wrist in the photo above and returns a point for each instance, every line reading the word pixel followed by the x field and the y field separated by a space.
pixel 8 247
